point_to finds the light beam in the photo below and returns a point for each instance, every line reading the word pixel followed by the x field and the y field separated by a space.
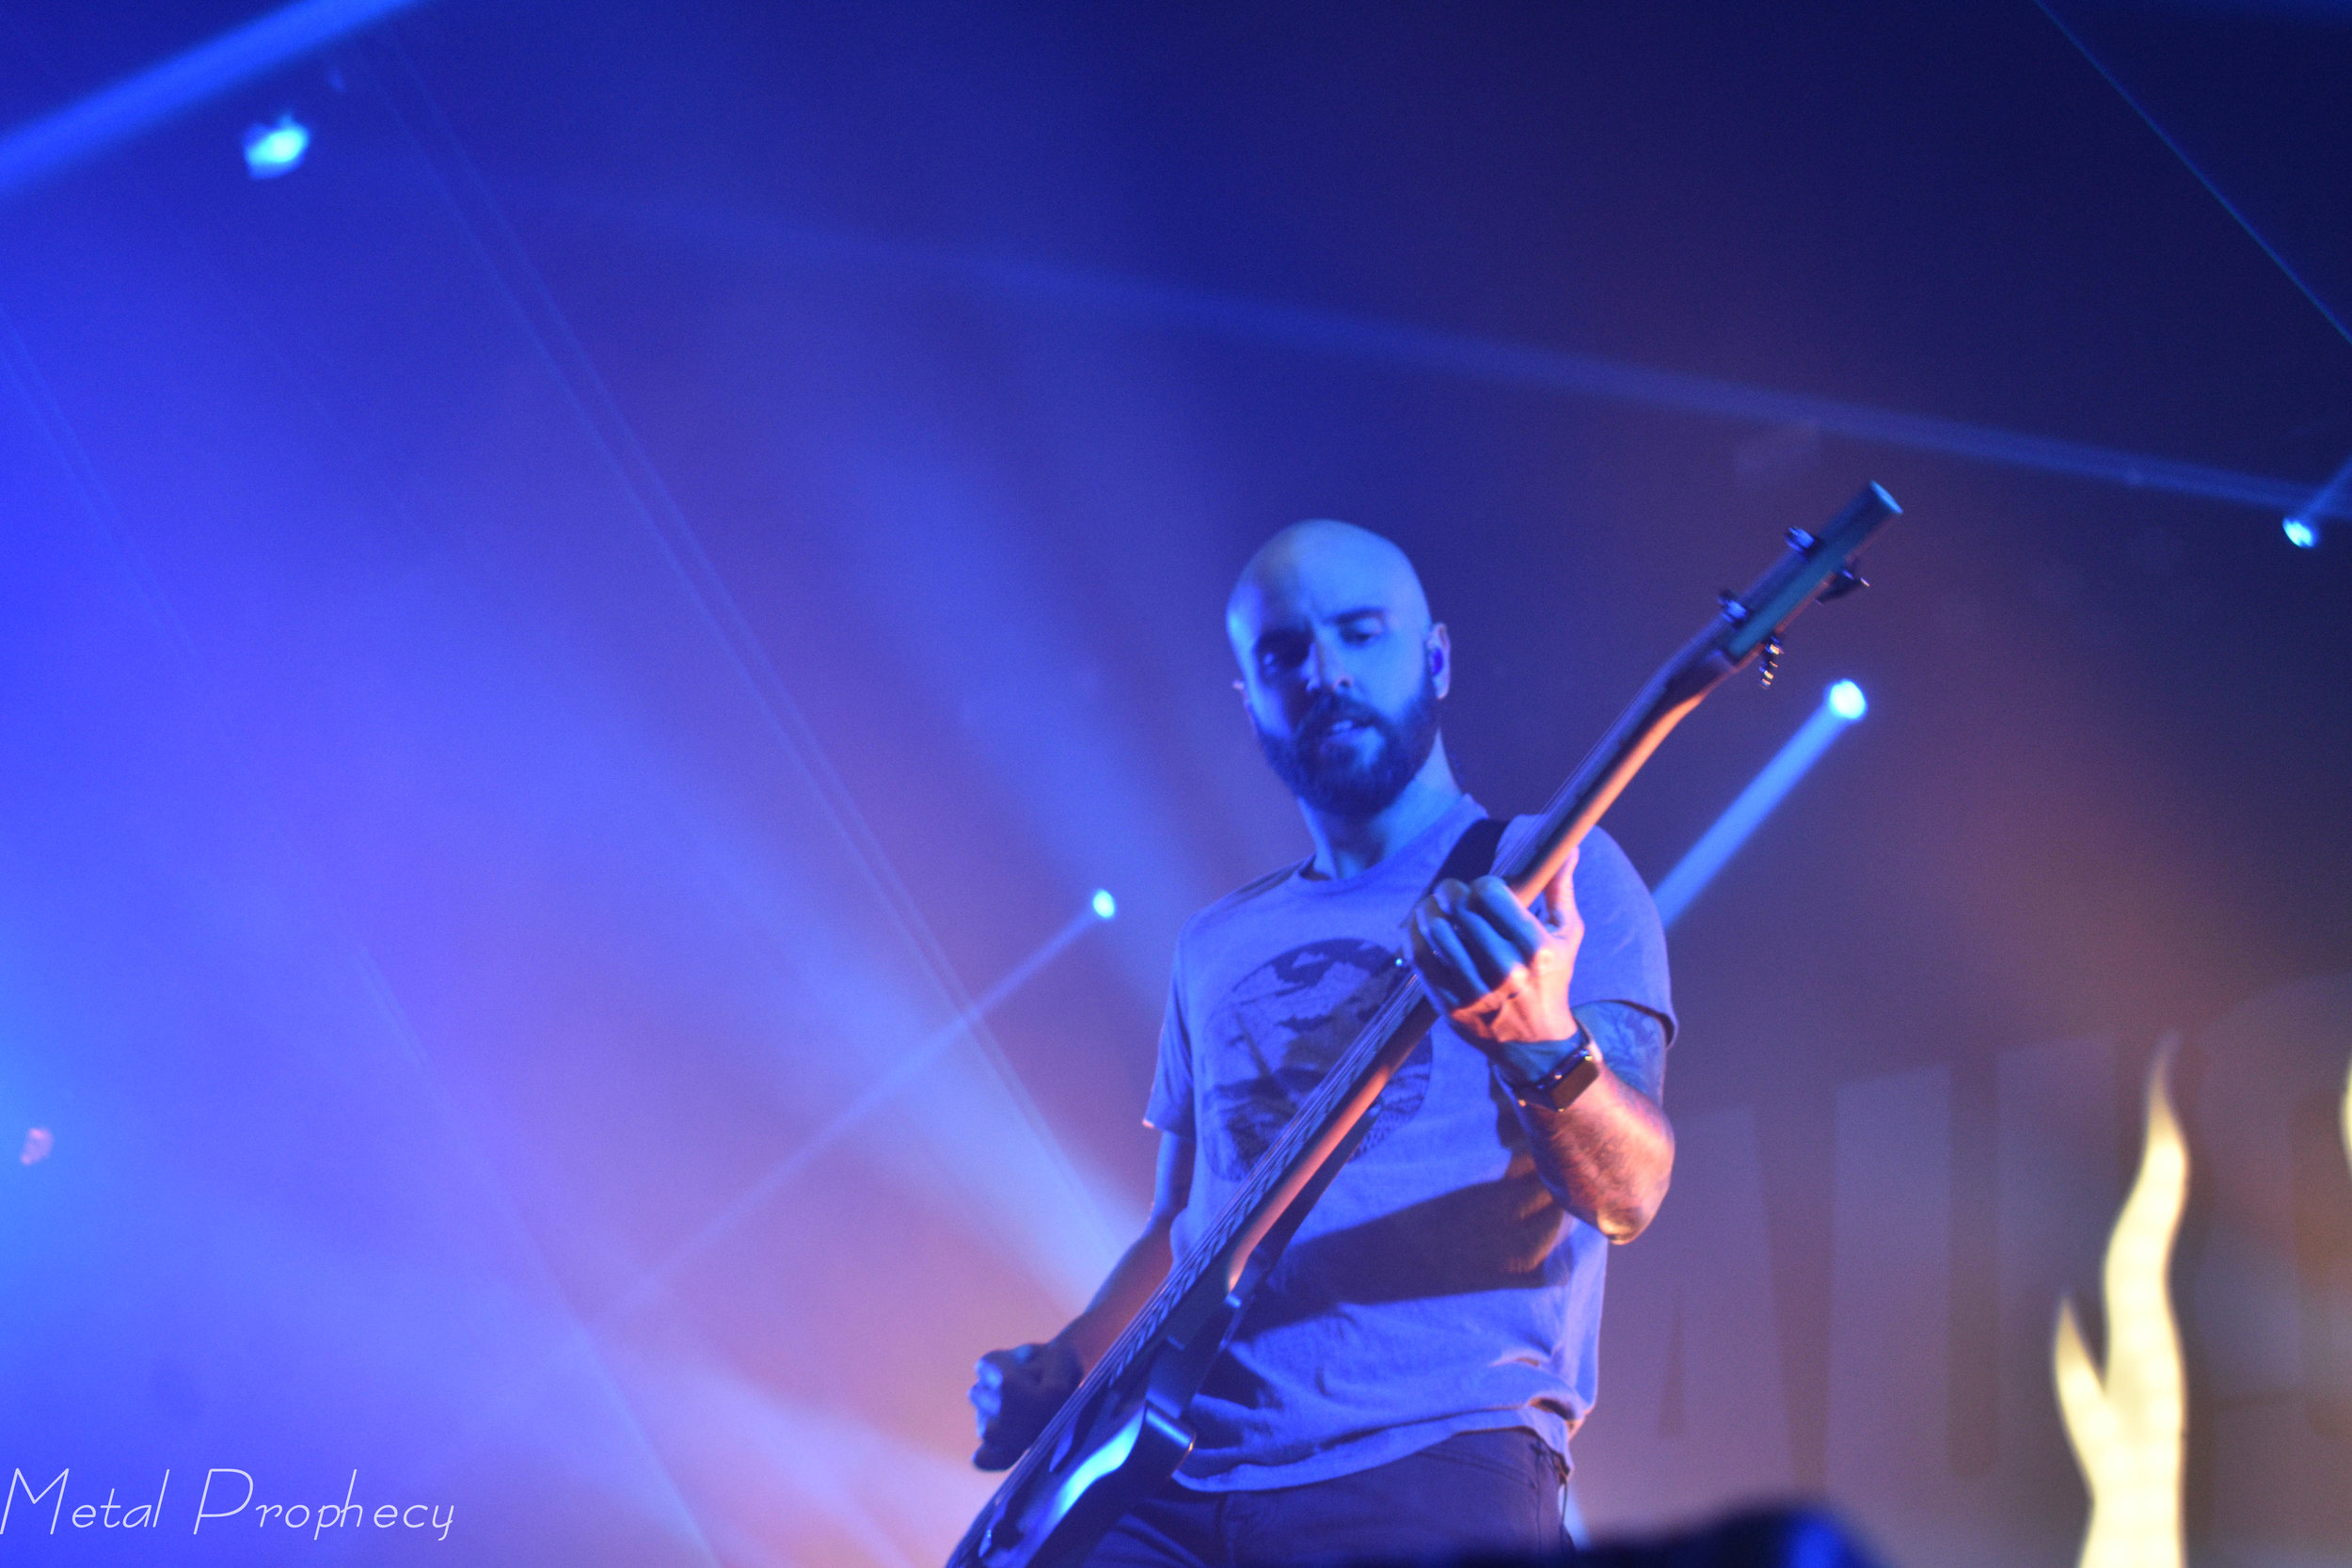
pixel 1841 704
pixel 40 148
pixel 1504 364
pixel 2276 257
pixel 2302 526
pixel 1099 911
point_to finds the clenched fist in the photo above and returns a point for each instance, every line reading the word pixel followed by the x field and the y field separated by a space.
pixel 1014 1393
pixel 1501 972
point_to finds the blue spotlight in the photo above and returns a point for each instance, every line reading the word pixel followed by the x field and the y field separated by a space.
pixel 1841 705
pixel 2302 525
pixel 1104 906
pixel 88 127
pixel 271 150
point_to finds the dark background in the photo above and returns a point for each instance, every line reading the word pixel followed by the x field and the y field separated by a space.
pixel 550 648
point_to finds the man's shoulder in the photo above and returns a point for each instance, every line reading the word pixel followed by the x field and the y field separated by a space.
pixel 1242 900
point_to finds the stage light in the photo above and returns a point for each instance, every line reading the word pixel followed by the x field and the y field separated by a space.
pixel 1104 905
pixel 271 150
pixel 32 153
pixel 2303 524
pixel 1842 705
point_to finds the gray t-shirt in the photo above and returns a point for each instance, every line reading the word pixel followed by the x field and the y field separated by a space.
pixel 1438 1288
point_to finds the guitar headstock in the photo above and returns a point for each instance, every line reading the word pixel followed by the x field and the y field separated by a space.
pixel 1816 567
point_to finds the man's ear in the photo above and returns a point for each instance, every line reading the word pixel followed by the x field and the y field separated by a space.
pixel 1438 650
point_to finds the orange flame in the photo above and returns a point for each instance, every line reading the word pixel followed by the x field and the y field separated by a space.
pixel 2348 1118
pixel 2127 1422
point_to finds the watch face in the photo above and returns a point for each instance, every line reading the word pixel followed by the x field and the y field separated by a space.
pixel 1557 1089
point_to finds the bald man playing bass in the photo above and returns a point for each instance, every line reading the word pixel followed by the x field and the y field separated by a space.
pixel 1407 1378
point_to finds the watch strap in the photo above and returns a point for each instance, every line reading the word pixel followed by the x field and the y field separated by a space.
pixel 1556 1090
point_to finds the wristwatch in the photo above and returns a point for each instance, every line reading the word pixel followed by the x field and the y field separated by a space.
pixel 1556 1090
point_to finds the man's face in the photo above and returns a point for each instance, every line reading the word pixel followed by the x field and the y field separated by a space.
pixel 1342 672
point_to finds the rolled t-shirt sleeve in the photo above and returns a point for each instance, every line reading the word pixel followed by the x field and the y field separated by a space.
pixel 1623 957
pixel 1170 1109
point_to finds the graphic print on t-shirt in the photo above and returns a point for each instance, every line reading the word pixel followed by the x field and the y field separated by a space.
pixel 1278 1032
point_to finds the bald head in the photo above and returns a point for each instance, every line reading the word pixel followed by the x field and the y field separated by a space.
pixel 1320 569
pixel 1341 669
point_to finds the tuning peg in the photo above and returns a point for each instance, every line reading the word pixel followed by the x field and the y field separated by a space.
pixel 1845 582
pixel 1768 662
pixel 1734 610
pixel 1800 540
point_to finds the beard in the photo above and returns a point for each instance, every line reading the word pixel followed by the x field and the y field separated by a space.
pixel 1344 787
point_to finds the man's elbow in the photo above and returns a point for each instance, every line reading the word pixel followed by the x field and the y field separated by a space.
pixel 1635 1208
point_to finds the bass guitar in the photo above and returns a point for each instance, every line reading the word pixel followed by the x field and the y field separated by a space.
pixel 1121 1433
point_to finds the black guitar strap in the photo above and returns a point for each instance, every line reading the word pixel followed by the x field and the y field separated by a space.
pixel 1473 854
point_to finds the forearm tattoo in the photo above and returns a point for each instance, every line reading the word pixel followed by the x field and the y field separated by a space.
pixel 1633 1040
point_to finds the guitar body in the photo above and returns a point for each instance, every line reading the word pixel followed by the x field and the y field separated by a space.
pixel 1121 1435
pixel 1109 1460
pixel 1071 1505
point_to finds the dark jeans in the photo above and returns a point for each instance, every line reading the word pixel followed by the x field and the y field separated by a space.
pixel 1485 1491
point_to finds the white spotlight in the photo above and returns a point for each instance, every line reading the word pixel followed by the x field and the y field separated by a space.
pixel 2302 534
pixel 271 150
pixel 1846 701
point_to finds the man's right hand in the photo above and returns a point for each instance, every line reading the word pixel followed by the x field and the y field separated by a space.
pixel 1015 1392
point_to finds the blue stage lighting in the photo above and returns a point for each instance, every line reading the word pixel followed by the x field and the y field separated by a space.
pixel 1841 705
pixel 919 1059
pixel 2303 524
pixel 31 152
pixel 271 150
